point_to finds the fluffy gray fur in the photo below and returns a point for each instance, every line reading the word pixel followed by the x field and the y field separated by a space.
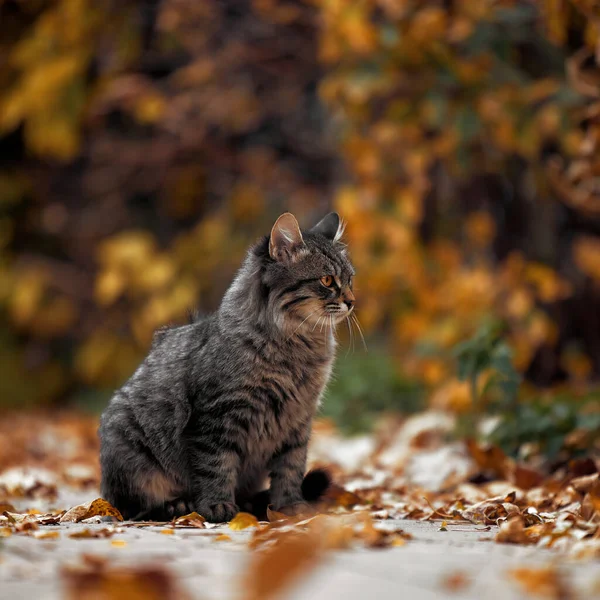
pixel 221 404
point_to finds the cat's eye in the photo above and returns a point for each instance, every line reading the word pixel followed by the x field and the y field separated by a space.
pixel 327 280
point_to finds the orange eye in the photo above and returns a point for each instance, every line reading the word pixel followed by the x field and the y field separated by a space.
pixel 327 280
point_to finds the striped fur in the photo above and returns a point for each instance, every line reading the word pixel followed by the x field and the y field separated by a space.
pixel 222 404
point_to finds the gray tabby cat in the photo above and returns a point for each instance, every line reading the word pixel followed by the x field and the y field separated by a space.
pixel 223 403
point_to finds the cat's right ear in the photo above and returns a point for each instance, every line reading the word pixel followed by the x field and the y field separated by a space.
pixel 286 239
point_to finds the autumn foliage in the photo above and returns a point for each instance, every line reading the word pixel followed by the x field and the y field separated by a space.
pixel 144 144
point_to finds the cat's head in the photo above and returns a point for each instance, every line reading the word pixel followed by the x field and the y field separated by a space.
pixel 308 273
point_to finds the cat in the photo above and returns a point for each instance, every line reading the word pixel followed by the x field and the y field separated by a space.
pixel 223 403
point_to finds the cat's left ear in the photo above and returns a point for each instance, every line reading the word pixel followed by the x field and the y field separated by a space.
pixel 286 239
pixel 330 226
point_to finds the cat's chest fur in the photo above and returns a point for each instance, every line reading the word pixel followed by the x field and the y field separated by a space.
pixel 281 391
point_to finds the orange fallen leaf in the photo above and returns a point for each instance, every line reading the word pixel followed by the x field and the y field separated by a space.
pixel 273 570
pixel 167 531
pixel 95 508
pixel 544 582
pixel 223 537
pixel 243 520
pixel 118 543
pixel 340 497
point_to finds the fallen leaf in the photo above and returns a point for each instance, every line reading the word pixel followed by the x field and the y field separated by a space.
pixel 512 531
pixel 118 543
pixel 489 459
pixel 544 582
pixel 456 582
pixel 489 511
pixel 167 531
pixel 94 579
pixel 46 535
pixel 525 478
pixel 88 533
pixel 274 569
pixel 98 507
pixel 338 496
pixel 273 515
pixel 191 520
pixel 584 484
pixel 243 520
pixel 223 537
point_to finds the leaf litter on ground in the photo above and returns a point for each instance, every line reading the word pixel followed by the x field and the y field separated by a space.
pixel 394 474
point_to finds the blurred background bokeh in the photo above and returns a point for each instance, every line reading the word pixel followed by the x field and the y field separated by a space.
pixel 145 143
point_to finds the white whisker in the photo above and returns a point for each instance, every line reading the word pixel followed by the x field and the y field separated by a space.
pixel 355 319
pixel 350 338
pixel 304 321
pixel 314 326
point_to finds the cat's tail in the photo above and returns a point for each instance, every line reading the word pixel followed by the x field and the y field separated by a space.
pixel 314 486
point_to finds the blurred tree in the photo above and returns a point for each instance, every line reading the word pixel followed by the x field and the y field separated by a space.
pixel 144 144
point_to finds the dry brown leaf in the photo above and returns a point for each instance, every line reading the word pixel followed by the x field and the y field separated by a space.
pixel 525 478
pixel 88 533
pixel 513 531
pixel 489 511
pixel 338 496
pixel 243 520
pixel 489 459
pixel 95 508
pixel 585 483
pixel 191 520
pixel 274 569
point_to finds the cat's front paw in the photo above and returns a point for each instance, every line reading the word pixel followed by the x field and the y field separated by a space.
pixel 218 512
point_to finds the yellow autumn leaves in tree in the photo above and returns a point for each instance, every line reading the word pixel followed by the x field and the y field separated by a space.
pixel 456 127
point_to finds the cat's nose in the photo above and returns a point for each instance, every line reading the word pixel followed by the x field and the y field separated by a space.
pixel 349 299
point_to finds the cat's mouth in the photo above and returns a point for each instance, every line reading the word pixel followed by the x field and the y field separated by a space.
pixel 338 310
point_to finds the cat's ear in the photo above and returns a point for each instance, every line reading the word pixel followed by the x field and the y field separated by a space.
pixel 286 238
pixel 330 226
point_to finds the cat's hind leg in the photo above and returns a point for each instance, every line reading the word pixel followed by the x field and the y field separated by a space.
pixel 134 483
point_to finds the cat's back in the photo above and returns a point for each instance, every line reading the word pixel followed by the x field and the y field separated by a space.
pixel 165 371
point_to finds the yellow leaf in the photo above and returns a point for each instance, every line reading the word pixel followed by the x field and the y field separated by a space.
pixel 191 520
pixel 243 520
pixel 118 543
pixel 223 537
pixel 167 531
pixel 46 535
